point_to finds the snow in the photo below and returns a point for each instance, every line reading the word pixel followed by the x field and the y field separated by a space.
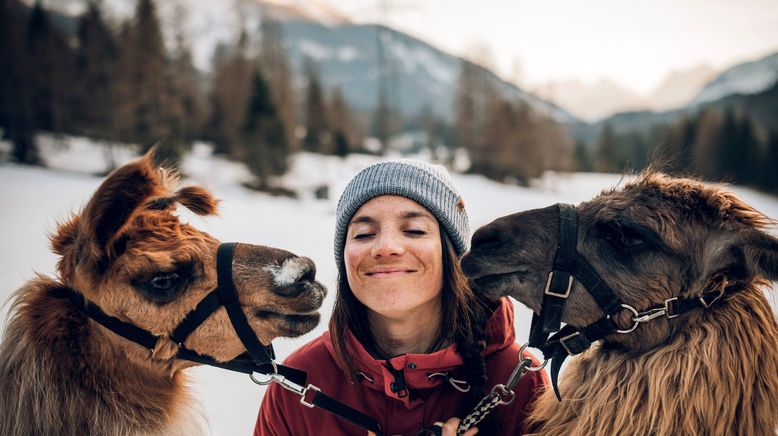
pixel 36 199
pixel 746 78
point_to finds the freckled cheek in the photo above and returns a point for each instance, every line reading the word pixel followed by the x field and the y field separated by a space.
pixel 352 258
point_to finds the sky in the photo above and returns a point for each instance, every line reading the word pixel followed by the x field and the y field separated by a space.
pixel 635 43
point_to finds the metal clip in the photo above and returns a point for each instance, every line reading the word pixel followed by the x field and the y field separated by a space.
pixel 650 314
pixel 506 395
pixel 294 387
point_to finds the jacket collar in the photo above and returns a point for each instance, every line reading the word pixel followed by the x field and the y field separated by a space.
pixel 417 368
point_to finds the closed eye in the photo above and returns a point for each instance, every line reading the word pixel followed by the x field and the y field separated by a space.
pixel 363 235
pixel 623 238
pixel 415 232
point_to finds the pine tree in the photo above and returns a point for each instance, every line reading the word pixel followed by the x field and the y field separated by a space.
pixel 16 115
pixel 341 124
pixel 97 61
pixel 230 92
pixel 278 72
pixel 317 130
pixel 769 172
pixel 264 146
pixel 609 156
pixel 707 146
pixel 148 105
pixel 51 72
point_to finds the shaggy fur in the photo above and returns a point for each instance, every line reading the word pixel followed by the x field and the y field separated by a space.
pixel 63 374
pixel 708 372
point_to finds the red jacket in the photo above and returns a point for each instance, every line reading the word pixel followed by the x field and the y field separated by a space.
pixel 431 399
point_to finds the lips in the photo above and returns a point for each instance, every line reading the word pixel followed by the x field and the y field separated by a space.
pixel 389 272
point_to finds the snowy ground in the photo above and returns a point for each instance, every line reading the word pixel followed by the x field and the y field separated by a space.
pixel 35 199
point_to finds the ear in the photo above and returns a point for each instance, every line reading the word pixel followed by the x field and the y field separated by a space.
pixel 760 253
pixel 197 199
pixel 116 199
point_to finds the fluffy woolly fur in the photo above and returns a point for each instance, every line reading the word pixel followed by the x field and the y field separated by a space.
pixel 63 374
pixel 718 376
pixel 59 376
pixel 710 371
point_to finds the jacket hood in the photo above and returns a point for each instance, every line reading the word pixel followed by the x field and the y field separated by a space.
pixel 421 371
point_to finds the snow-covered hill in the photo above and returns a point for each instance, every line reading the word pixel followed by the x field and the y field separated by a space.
pixel 35 199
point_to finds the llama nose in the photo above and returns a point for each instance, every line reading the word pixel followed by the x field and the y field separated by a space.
pixel 294 276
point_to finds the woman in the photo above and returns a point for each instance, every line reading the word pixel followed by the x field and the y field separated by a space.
pixel 409 343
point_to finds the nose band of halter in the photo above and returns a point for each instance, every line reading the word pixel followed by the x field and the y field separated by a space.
pixel 259 358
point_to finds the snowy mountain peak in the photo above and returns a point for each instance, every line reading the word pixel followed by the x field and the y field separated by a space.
pixel 745 78
pixel 316 11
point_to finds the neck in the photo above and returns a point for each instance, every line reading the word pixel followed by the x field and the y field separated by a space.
pixel 720 370
pixel 412 332
pixel 66 373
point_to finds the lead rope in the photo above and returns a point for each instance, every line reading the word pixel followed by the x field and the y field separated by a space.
pixel 501 394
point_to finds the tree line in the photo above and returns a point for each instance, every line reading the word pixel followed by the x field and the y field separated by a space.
pixel 122 83
pixel 506 139
pixel 715 144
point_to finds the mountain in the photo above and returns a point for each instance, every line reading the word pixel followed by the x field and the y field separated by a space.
pixel 418 74
pixel 745 78
pixel 346 54
pixel 751 87
pixel 680 87
pixel 595 101
pixel 591 101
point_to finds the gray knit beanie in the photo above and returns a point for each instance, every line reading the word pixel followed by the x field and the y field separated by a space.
pixel 429 185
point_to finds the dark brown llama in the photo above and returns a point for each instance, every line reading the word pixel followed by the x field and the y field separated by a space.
pixel 127 253
pixel 709 371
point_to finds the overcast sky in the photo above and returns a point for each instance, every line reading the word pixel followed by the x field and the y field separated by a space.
pixel 633 42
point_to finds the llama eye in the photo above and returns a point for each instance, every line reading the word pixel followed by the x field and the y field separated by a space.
pixel 164 282
pixel 621 237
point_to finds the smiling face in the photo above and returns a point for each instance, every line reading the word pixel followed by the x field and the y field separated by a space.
pixel 394 258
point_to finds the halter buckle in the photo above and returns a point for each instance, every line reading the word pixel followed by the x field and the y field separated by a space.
pixel 548 290
pixel 564 345
pixel 669 313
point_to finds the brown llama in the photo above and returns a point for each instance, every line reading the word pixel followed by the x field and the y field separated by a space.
pixel 127 253
pixel 708 371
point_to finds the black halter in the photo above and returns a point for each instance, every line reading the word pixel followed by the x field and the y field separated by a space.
pixel 569 265
pixel 257 359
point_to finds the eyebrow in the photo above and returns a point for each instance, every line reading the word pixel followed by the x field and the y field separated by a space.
pixel 406 216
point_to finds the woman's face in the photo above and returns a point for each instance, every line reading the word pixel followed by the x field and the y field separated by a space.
pixel 394 257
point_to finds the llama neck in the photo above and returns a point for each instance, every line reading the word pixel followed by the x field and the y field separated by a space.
pixel 718 375
pixel 70 375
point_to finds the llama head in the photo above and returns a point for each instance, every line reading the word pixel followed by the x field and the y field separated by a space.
pixel 658 237
pixel 129 254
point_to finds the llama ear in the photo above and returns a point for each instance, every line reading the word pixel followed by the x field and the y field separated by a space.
pixel 118 196
pixel 760 253
pixel 197 199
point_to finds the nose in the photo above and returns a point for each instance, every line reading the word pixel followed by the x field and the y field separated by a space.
pixel 294 276
pixel 388 244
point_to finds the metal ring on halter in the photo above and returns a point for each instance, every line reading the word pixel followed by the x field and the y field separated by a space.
pixel 635 325
pixel 529 367
pixel 270 376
